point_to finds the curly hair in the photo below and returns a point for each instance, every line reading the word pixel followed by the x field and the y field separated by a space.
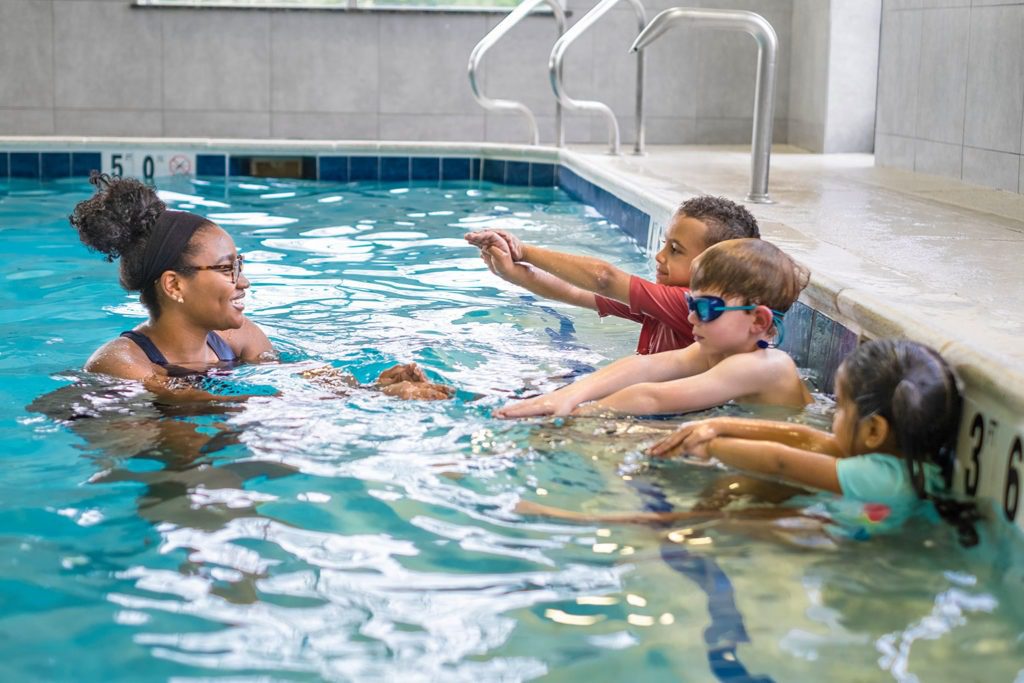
pixel 724 218
pixel 117 221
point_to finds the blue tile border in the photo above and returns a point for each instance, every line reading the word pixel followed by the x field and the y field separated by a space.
pixel 456 169
pixel 211 165
pixel 333 168
pixel 54 165
pixel 624 215
pixel 428 168
pixel 394 169
pixel 364 168
pixel 3 165
pixel 24 165
pixel 84 163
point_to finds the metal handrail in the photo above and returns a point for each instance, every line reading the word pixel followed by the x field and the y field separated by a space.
pixel 503 27
pixel 764 89
pixel 555 73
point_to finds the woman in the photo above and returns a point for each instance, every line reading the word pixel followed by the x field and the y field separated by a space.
pixel 189 276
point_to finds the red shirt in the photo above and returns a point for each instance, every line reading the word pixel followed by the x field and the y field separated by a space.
pixel 662 311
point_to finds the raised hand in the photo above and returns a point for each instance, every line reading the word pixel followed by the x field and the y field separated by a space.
pixel 499 239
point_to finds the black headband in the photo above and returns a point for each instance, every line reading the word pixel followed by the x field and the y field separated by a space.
pixel 168 239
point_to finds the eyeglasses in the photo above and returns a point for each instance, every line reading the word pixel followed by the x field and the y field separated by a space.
pixel 708 308
pixel 234 269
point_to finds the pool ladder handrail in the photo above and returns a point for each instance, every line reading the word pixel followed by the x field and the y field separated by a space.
pixel 555 74
pixel 488 41
pixel 764 88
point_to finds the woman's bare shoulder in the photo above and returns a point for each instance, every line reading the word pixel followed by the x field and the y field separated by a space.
pixel 120 357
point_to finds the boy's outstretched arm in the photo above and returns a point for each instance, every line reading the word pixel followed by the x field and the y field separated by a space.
pixel 658 367
pixel 694 435
pixel 542 284
pixel 585 272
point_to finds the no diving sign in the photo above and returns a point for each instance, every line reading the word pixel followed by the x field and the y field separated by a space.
pixel 148 164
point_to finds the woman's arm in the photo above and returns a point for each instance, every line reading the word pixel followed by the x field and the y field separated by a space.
pixel 693 434
pixel 249 343
pixel 775 459
pixel 658 367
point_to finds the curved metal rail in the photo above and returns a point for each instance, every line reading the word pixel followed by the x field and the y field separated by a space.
pixel 488 41
pixel 555 73
pixel 764 89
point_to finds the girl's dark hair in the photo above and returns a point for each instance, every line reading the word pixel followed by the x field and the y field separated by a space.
pixel 915 390
pixel 117 221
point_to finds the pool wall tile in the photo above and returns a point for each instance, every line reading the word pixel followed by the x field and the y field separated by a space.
pixel 364 168
pixel 83 163
pixel 238 165
pixel 628 218
pixel 456 169
pixel 797 332
pixel 309 168
pixel 55 165
pixel 394 169
pixel 3 165
pixel 476 170
pixel 517 173
pixel 211 165
pixel 542 175
pixel 24 164
pixel 425 168
pixel 334 168
pixel 494 170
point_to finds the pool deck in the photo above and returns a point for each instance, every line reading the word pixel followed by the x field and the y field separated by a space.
pixel 892 252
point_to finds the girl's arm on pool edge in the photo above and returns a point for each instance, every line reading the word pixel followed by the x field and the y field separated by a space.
pixel 786 433
pixel 796 465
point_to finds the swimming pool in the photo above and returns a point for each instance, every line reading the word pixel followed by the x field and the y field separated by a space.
pixel 307 535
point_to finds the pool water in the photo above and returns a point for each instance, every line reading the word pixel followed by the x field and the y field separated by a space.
pixel 309 535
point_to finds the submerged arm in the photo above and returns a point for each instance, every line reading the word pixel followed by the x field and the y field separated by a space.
pixel 793 464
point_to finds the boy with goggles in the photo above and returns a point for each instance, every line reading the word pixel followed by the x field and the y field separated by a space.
pixel 740 291
pixel 660 307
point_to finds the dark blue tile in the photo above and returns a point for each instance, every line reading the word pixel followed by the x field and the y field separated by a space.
pixel 55 165
pixel 394 169
pixel 24 164
pixel 210 165
pixel 798 332
pixel 542 175
pixel 3 165
pixel 84 163
pixel 569 182
pixel 494 170
pixel 239 165
pixel 517 173
pixel 476 169
pixel 334 168
pixel 364 168
pixel 455 169
pixel 426 168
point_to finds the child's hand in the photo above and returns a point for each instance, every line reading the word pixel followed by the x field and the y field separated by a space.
pixel 499 239
pixel 546 404
pixel 408 372
pixel 691 439
pixel 418 391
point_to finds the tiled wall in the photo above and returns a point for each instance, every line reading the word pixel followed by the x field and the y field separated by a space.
pixel 950 92
pixel 101 67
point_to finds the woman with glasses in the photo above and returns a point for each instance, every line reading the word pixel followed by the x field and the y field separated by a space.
pixel 189 277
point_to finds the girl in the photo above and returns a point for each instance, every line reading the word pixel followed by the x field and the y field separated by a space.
pixel 889 454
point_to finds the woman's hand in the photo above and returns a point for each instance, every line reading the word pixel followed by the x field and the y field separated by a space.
pixel 408 372
pixel 418 391
pixel 692 439
pixel 556 403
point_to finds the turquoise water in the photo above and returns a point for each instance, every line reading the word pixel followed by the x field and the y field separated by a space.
pixel 310 536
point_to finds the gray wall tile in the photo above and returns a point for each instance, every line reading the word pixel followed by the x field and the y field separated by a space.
pixel 991 169
pixel 937 158
pixel 26 121
pixel 995 88
pixel 424 68
pixel 26 40
pixel 324 62
pixel 217 124
pixel 216 61
pixel 942 80
pixel 334 126
pixel 516 68
pixel 898 69
pixel 134 123
pixel 105 57
pixel 895 151
pixel 422 127
pixel 852 80
pixel 670 130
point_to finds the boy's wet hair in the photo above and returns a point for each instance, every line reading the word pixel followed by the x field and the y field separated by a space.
pixel 915 390
pixel 751 269
pixel 724 218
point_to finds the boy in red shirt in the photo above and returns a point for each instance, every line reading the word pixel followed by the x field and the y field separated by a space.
pixel 588 282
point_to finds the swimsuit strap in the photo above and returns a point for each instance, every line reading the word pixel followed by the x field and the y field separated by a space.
pixel 213 340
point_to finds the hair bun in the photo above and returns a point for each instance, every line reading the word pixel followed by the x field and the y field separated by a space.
pixel 119 217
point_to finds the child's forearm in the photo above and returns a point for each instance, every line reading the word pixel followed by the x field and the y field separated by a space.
pixel 787 433
pixel 591 274
pixel 778 460
pixel 550 287
pixel 647 399
pixel 623 373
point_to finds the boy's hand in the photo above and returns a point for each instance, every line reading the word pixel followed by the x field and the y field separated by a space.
pixel 691 439
pixel 499 239
pixel 554 404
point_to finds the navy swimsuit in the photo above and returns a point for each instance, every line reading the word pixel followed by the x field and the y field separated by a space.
pixel 213 340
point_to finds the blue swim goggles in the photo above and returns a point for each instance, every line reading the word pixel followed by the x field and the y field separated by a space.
pixel 709 308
